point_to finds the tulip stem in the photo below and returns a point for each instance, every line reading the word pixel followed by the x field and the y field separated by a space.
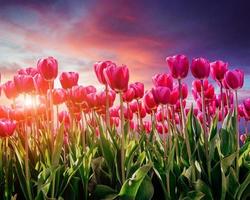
pixel 183 122
pixel 222 100
pixel 26 147
pixel 51 112
pixel 246 127
pixel 237 135
pixel 122 140
pixel 205 131
pixel 107 107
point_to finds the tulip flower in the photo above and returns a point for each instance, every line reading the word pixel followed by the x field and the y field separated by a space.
pixel 161 95
pixel 117 77
pixel 218 70
pixel 24 83
pixel 164 80
pixel 59 96
pixel 48 68
pixel 78 94
pixel 149 100
pixel 138 88
pixel 41 85
pixel 99 67
pixel 28 71
pixel 114 111
pixel 7 127
pixel 200 68
pixel 178 66
pixel 234 79
pixel 10 90
pixel 243 138
pixel 68 79
pixel 129 95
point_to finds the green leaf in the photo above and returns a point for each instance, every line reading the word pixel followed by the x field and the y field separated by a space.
pixel 104 192
pixel 146 190
pixel 131 186
pixel 201 186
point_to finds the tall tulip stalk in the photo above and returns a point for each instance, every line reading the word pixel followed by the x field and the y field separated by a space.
pixel 117 79
pixel 235 80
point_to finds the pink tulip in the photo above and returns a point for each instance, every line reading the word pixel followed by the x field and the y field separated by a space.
pixel 78 94
pixel 129 95
pixel 234 79
pixel 243 138
pixel 178 66
pixel 117 77
pixel 200 68
pixel 24 83
pixel 114 112
pixel 246 104
pixel 161 95
pixel 138 88
pixel 48 68
pixel 149 100
pixel 41 85
pixel 7 127
pixel 69 79
pixel 99 67
pixel 218 70
pixel 164 80
pixel 59 96
pixel 174 96
pixel 28 71
pixel 10 90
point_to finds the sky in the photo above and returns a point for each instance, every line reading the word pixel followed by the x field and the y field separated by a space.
pixel 138 33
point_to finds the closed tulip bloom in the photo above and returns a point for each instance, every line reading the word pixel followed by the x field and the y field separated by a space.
pixel 241 110
pixel 78 94
pixel 114 112
pixel 160 128
pixel 48 68
pixel 90 89
pixel 28 71
pixel 138 88
pixel 200 68
pixel 234 79
pixel 178 66
pixel 69 79
pixel 24 83
pixel 218 70
pixel 102 98
pixel 7 127
pixel 161 95
pixel 246 104
pixel 129 95
pixel 134 106
pixel 128 114
pixel 147 126
pixel 243 138
pixel 59 96
pixel 10 90
pixel 196 84
pixel 174 96
pixel 149 100
pixel 99 67
pixel 184 90
pixel 63 117
pixel 164 80
pixel 117 77
pixel 114 121
pixel 92 100
pixel 41 85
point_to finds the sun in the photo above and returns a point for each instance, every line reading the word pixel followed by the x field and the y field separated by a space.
pixel 28 101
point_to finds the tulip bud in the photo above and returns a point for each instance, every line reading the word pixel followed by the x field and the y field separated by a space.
pixel 178 66
pixel 200 68
pixel 234 79
pixel 69 79
pixel 48 68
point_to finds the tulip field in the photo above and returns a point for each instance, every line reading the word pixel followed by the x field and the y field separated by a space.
pixel 125 142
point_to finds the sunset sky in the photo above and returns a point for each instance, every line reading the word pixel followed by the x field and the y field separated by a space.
pixel 139 33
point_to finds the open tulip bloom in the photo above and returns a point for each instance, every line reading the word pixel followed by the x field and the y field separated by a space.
pixel 125 141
